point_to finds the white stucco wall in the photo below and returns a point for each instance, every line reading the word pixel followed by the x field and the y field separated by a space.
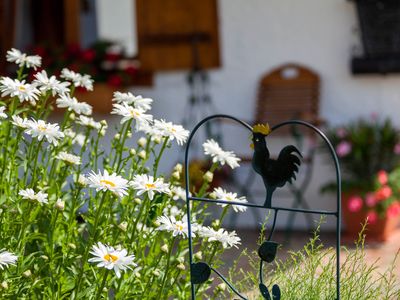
pixel 258 35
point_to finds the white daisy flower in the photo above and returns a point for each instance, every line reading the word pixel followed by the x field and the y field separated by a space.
pixel 212 148
pixel 129 112
pixel 41 129
pixel 110 258
pixel 227 239
pixel 178 193
pixel 50 84
pixel 106 182
pixel 146 184
pixel 77 79
pixel 69 158
pixel 150 130
pixel 7 258
pixel 15 88
pixel 89 122
pixel 30 194
pixel 66 101
pixel 21 59
pixel 137 101
pixel 82 180
pixel 3 115
pixel 79 139
pixel 221 194
pixel 172 131
pixel 18 121
pixel 177 227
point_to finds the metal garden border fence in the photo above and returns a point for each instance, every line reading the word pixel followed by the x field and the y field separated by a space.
pixel 201 271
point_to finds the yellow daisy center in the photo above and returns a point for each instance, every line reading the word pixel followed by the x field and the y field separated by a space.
pixel 229 198
pixel 134 113
pixel 42 128
pixel 110 258
pixel 22 88
pixel 150 185
pixel 178 227
pixel 107 182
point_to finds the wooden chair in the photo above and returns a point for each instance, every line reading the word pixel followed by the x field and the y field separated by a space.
pixel 288 92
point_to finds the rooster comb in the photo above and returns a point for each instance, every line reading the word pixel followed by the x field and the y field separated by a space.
pixel 262 128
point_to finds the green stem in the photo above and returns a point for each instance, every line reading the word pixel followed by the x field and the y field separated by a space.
pixel 157 161
pixel 166 269
pixel 103 283
pixel 91 240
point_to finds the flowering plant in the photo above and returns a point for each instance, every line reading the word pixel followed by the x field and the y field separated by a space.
pixel 83 221
pixel 104 60
pixel 369 154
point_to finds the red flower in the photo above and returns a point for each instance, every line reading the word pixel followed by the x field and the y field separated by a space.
pixel 370 200
pixel 88 55
pixel 393 210
pixel 114 80
pixel 355 204
pixel 372 217
pixel 382 177
pixel 383 193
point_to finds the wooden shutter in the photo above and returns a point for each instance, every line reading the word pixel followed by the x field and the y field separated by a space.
pixel 176 34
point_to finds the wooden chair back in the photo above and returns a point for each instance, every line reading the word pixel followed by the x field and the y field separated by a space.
pixel 288 92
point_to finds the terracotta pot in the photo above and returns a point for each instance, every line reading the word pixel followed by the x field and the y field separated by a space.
pixel 380 231
pixel 100 98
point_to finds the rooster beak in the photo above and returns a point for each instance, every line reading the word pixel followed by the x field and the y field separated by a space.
pixel 252 146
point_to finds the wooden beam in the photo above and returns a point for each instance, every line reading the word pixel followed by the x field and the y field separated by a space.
pixel 72 10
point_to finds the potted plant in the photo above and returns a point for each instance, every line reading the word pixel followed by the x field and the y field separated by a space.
pixel 369 153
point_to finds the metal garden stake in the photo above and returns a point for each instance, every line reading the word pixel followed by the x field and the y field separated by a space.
pixel 275 174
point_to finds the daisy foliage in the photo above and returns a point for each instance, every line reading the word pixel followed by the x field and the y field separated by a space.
pixel 87 215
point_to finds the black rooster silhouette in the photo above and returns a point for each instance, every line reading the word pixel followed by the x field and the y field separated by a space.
pixel 275 173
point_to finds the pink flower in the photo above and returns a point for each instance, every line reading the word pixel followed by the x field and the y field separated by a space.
pixel 341 132
pixel 372 217
pixel 383 193
pixel 382 177
pixel 355 204
pixel 343 148
pixel 396 149
pixel 370 200
pixel 393 210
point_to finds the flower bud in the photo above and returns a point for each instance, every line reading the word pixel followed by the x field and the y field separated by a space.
pixel 180 259
pixel 157 140
pixel 102 132
pixel 123 226
pixel 221 286
pixel 104 123
pixel 137 200
pixel 129 134
pixel 156 273
pixel 176 175
pixel 142 154
pixel 178 168
pixel 136 274
pixel 82 180
pixel 164 248
pixel 208 176
pixel 142 142
pixel 4 285
pixel 132 152
pixel 181 267
pixel 72 116
pixel 117 136
pixel 72 246
pixel 60 205
pixel 44 257
pixel 216 223
pixel 198 255
pixel 27 273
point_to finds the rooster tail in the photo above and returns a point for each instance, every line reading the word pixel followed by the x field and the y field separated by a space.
pixel 268 199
